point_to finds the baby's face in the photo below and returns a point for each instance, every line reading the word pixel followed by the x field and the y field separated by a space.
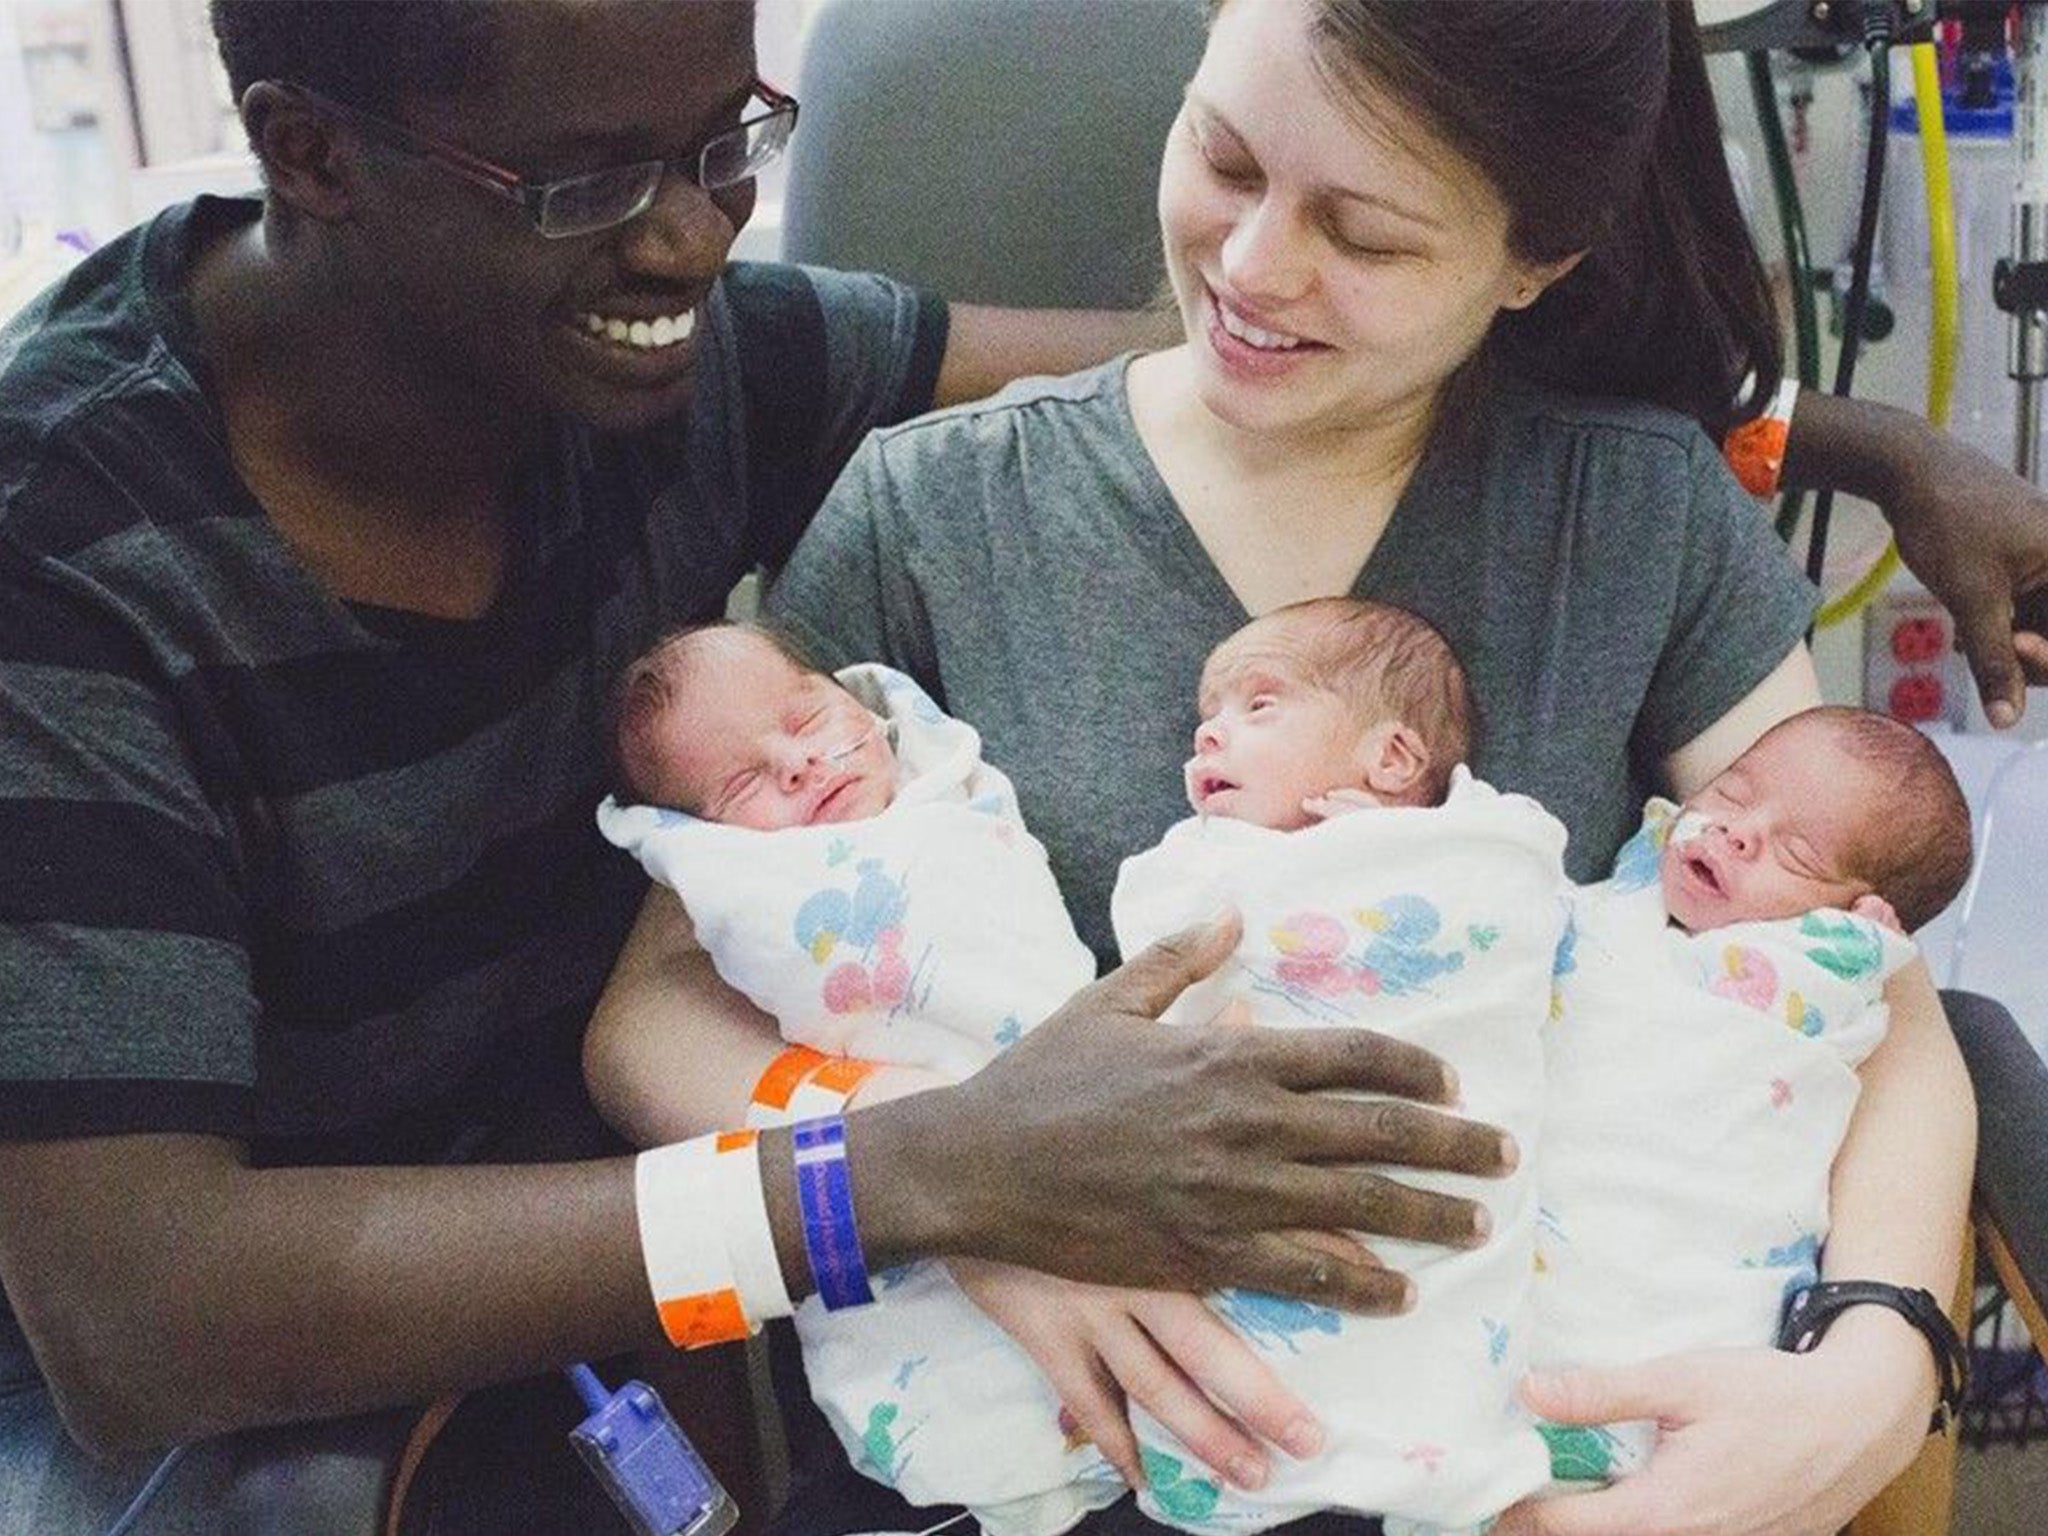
pixel 753 741
pixel 1774 836
pixel 1269 740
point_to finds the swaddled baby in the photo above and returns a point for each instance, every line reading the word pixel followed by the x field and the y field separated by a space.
pixel 1717 996
pixel 853 866
pixel 1380 885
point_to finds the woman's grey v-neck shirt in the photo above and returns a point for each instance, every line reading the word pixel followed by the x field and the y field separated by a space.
pixel 1608 586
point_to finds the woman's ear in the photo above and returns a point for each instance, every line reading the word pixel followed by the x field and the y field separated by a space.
pixel 1394 762
pixel 305 164
pixel 1537 276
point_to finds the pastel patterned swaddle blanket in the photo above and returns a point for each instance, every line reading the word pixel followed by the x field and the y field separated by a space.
pixel 932 935
pixel 1439 926
pixel 1700 1085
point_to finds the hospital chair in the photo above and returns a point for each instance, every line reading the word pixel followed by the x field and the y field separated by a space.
pixel 1006 153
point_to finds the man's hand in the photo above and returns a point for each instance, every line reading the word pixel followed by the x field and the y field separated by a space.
pixel 1105 1147
pixel 1977 535
pixel 1973 531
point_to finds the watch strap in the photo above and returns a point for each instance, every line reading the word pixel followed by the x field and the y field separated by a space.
pixel 1811 1311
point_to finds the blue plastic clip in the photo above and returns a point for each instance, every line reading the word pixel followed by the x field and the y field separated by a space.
pixel 646 1462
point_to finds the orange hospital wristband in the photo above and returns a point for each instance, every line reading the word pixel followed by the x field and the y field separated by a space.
pixel 1755 450
pixel 802 1084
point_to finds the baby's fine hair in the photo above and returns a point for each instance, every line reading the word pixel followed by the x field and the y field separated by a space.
pixel 1386 662
pixel 1921 857
pixel 648 689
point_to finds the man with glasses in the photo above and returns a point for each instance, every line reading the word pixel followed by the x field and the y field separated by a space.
pixel 325 521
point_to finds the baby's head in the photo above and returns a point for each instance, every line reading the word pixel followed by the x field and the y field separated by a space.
pixel 729 723
pixel 1329 694
pixel 1829 807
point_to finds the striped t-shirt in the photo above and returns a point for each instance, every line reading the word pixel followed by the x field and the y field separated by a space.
pixel 313 874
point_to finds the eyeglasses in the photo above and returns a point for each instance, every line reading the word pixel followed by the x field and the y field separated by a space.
pixel 598 200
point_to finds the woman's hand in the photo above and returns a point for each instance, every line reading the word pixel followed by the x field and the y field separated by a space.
pixel 1751 1442
pixel 1104 1147
pixel 1101 1347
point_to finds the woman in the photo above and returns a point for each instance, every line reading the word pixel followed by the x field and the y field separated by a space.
pixel 1411 247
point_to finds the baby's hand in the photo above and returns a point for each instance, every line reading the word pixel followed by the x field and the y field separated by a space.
pixel 1235 1014
pixel 1341 802
pixel 1879 911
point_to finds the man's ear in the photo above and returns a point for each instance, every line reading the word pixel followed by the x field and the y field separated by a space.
pixel 1394 761
pixel 307 163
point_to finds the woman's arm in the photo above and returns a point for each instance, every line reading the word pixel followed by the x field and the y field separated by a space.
pixel 1901 1191
pixel 1976 533
pixel 1789 688
pixel 673 1052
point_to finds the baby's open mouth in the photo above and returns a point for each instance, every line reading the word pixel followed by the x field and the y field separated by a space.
pixel 1703 872
pixel 1207 784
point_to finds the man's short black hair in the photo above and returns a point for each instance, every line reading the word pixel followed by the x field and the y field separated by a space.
pixel 363 53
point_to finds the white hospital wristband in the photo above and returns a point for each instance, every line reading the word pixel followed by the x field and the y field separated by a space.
pixel 705 1239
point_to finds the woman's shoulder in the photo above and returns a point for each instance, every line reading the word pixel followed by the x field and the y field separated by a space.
pixel 1619 426
pixel 1612 462
pixel 1076 406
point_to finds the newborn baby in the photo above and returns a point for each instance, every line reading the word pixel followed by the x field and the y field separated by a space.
pixel 1380 885
pixel 853 866
pixel 1717 997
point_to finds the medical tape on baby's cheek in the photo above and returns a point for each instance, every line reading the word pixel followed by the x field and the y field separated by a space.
pixel 699 1202
pixel 1689 825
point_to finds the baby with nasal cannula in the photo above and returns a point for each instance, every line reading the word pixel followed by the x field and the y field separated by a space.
pixel 1696 1047
pixel 853 867
pixel 1714 1003
pixel 1380 884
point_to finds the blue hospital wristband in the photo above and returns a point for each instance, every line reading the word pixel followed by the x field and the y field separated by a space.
pixel 825 1193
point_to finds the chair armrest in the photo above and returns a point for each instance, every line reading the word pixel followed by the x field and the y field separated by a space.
pixel 2011 1082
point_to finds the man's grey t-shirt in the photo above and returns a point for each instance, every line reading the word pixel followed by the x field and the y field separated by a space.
pixel 1608 586
pixel 320 875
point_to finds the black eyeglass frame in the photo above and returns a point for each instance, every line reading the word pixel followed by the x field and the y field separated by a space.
pixel 537 197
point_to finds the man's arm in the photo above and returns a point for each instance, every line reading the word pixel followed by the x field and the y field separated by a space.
pixel 169 1290
pixel 1974 532
pixel 988 347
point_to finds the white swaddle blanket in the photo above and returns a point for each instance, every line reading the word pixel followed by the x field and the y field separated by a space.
pixel 932 935
pixel 1438 926
pixel 1700 1085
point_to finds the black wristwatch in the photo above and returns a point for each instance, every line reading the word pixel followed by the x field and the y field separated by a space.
pixel 1809 1313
